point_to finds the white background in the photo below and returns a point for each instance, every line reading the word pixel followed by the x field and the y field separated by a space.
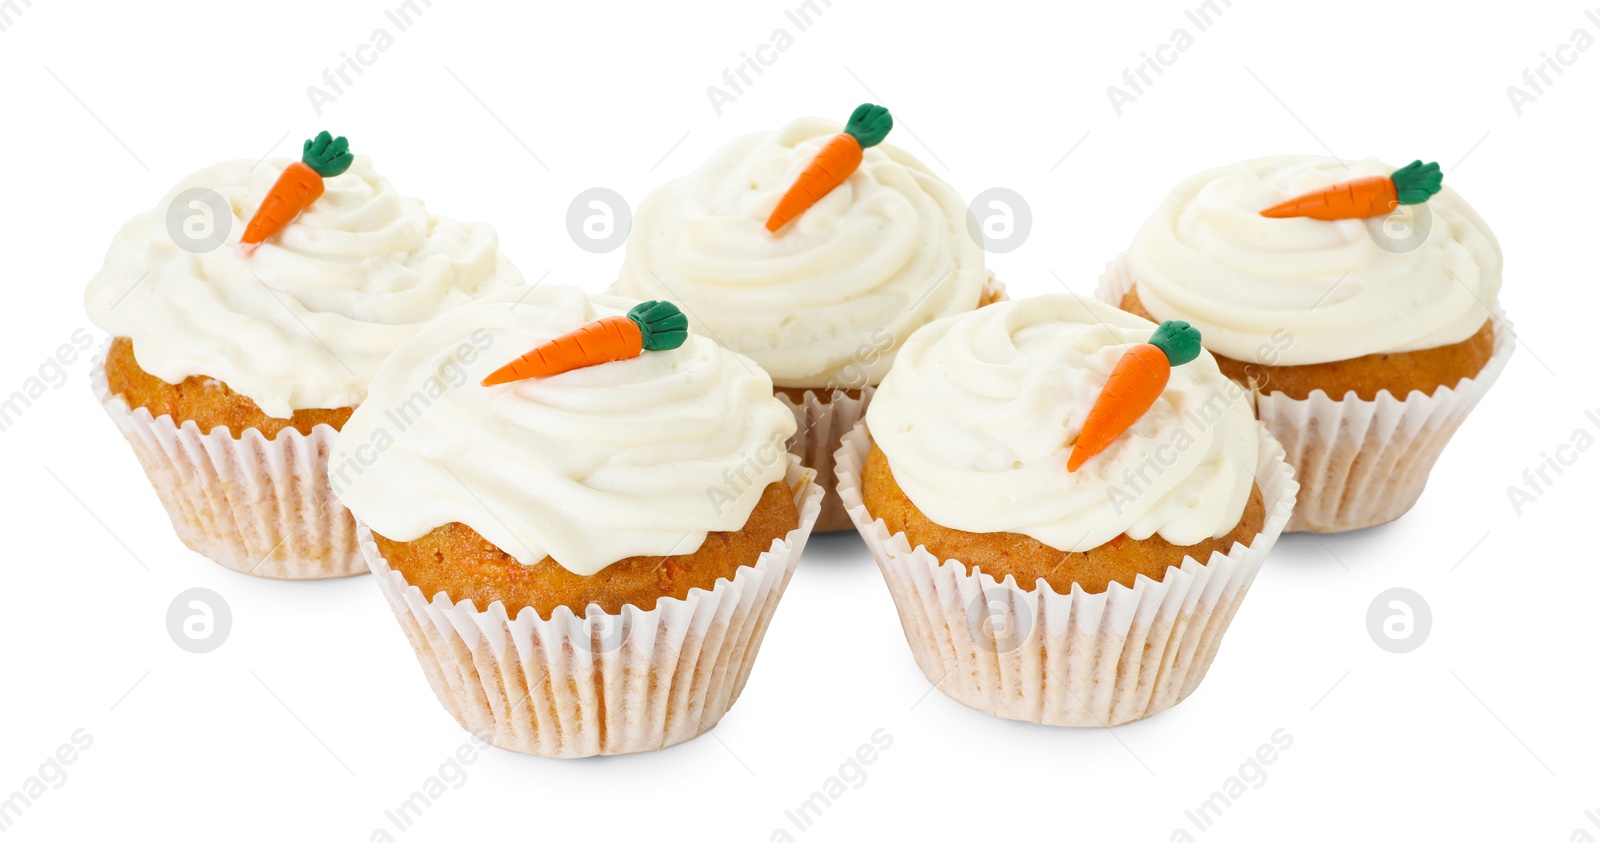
pixel 313 718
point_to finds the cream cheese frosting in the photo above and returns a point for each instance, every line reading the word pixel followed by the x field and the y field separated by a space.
pixel 977 416
pixel 825 300
pixel 305 321
pixel 1207 256
pixel 636 457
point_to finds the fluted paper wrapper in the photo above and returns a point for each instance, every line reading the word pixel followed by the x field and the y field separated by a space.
pixel 603 684
pixel 256 505
pixel 822 420
pixel 1360 463
pixel 1075 659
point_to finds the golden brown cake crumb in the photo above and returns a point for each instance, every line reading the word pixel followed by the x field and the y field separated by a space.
pixel 1400 373
pixel 206 401
pixel 456 560
pixel 990 294
pixel 1030 560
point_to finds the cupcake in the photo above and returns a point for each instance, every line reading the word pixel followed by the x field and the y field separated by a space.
pixel 1357 303
pixel 815 252
pixel 1067 503
pixel 248 311
pixel 582 516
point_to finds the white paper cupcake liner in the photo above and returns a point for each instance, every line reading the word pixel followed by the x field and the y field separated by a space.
pixel 603 684
pixel 1360 463
pixel 256 505
pixel 823 418
pixel 820 422
pixel 1075 659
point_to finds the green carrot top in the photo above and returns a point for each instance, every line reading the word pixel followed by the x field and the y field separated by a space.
pixel 662 325
pixel 869 124
pixel 1177 339
pixel 1416 182
pixel 327 155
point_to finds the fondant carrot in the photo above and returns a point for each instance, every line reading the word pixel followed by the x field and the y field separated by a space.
pixel 1373 196
pixel 649 326
pixel 1133 387
pixel 834 163
pixel 323 157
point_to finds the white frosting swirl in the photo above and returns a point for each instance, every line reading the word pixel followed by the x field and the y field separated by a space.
pixel 825 300
pixel 640 457
pixel 976 416
pixel 1208 256
pixel 305 321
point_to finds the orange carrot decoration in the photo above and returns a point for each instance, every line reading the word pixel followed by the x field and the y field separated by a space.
pixel 834 163
pixel 649 326
pixel 1135 384
pixel 323 157
pixel 1373 196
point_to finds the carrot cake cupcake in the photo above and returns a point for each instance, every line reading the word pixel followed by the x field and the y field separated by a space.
pixel 582 515
pixel 815 251
pixel 248 311
pixel 1357 302
pixel 1067 503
